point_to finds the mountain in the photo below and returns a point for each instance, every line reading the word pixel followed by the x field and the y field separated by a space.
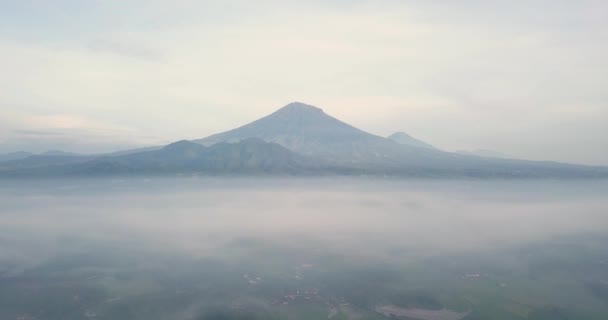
pixel 406 139
pixel 309 131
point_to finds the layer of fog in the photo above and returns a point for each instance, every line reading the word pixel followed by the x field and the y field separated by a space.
pixel 363 218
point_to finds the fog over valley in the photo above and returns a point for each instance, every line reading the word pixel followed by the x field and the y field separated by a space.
pixel 303 248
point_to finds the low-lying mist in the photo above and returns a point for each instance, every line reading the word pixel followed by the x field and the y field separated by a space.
pixel 235 248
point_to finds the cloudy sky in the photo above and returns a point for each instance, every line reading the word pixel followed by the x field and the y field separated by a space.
pixel 526 78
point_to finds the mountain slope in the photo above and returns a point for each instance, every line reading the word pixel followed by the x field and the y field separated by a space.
pixel 484 153
pixel 405 139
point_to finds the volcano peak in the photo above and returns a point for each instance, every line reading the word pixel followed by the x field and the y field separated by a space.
pixel 300 107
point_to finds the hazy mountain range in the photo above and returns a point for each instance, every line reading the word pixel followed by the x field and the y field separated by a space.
pixel 298 139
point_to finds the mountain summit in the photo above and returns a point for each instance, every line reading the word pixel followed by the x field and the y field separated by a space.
pixel 299 107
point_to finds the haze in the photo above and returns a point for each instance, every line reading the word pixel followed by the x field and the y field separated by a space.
pixel 303 249
pixel 526 79
pixel 432 216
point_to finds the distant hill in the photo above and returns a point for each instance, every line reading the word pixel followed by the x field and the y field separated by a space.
pixel 59 153
pixel 14 156
pixel 246 156
pixel 36 161
pixel 131 151
pixel 20 155
pixel 406 139
pixel 250 156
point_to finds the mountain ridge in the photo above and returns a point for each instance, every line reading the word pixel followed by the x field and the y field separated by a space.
pixel 250 156
pixel 297 139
